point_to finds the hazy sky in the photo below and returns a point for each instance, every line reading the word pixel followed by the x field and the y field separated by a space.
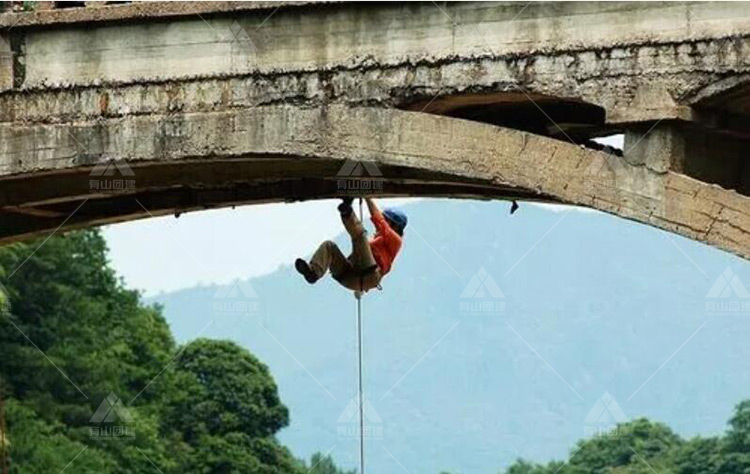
pixel 166 253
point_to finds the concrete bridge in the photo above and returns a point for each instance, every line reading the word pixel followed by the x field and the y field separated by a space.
pixel 113 113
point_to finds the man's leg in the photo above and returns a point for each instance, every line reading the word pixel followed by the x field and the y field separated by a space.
pixel 341 268
pixel 329 257
pixel 350 220
pixel 364 275
pixel 361 257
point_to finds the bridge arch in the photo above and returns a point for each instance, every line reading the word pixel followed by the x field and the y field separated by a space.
pixel 184 162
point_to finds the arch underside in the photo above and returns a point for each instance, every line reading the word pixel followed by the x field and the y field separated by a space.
pixel 192 161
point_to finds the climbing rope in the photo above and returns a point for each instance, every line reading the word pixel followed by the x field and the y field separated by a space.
pixel 358 296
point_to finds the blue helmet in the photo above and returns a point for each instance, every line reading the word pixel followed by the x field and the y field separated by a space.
pixel 397 219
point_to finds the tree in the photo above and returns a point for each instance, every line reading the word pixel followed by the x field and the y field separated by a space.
pixel 74 334
pixel 635 442
pixel 699 456
pixel 224 404
pixel 642 447
pixel 320 464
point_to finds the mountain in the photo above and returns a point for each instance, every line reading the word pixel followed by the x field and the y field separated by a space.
pixel 588 305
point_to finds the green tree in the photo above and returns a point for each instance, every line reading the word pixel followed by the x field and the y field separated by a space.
pixel 320 464
pixel 642 447
pixel 74 334
pixel 224 404
pixel 637 442
pixel 699 456
pixel 40 446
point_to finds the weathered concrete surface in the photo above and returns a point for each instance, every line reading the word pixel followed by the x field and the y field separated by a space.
pixel 639 61
pixel 702 154
pixel 283 151
pixel 108 13
pixel 247 103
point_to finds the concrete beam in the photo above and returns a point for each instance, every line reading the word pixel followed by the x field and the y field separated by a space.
pixel 639 61
pixel 302 149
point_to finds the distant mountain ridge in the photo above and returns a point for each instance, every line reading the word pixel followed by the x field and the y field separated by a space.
pixel 467 380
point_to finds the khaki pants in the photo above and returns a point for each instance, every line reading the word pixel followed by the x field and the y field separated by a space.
pixel 348 270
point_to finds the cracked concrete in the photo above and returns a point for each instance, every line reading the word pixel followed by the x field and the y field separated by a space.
pixel 635 60
pixel 299 146
pixel 209 117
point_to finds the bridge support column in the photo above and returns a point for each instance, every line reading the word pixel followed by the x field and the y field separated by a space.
pixel 680 147
pixel 660 148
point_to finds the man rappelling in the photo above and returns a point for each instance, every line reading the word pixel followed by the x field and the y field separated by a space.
pixel 370 260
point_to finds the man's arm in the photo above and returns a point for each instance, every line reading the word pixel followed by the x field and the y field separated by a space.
pixel 377 217
pixel 372 207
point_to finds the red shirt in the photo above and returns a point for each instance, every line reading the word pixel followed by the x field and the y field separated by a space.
pixel 386 243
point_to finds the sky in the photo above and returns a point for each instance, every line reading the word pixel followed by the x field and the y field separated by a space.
pixel 166 253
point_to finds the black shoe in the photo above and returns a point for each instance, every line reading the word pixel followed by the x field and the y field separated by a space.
pixel 345 208
pixel 302 267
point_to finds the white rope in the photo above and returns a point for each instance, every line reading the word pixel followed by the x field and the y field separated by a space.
pixel 358 295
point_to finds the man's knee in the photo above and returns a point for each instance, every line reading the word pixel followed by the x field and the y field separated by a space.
pixel 323 257
pixel 329 245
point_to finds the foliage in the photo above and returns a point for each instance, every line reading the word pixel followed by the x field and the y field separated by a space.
pixel 73 334
pixel 643 447
pixel 320 464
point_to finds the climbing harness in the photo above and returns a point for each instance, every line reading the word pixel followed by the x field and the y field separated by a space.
pixel 358 296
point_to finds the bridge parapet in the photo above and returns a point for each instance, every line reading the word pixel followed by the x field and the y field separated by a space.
pixel 205 92
pixel 638 61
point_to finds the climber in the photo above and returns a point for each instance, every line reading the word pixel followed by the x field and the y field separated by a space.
pixel 370 260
